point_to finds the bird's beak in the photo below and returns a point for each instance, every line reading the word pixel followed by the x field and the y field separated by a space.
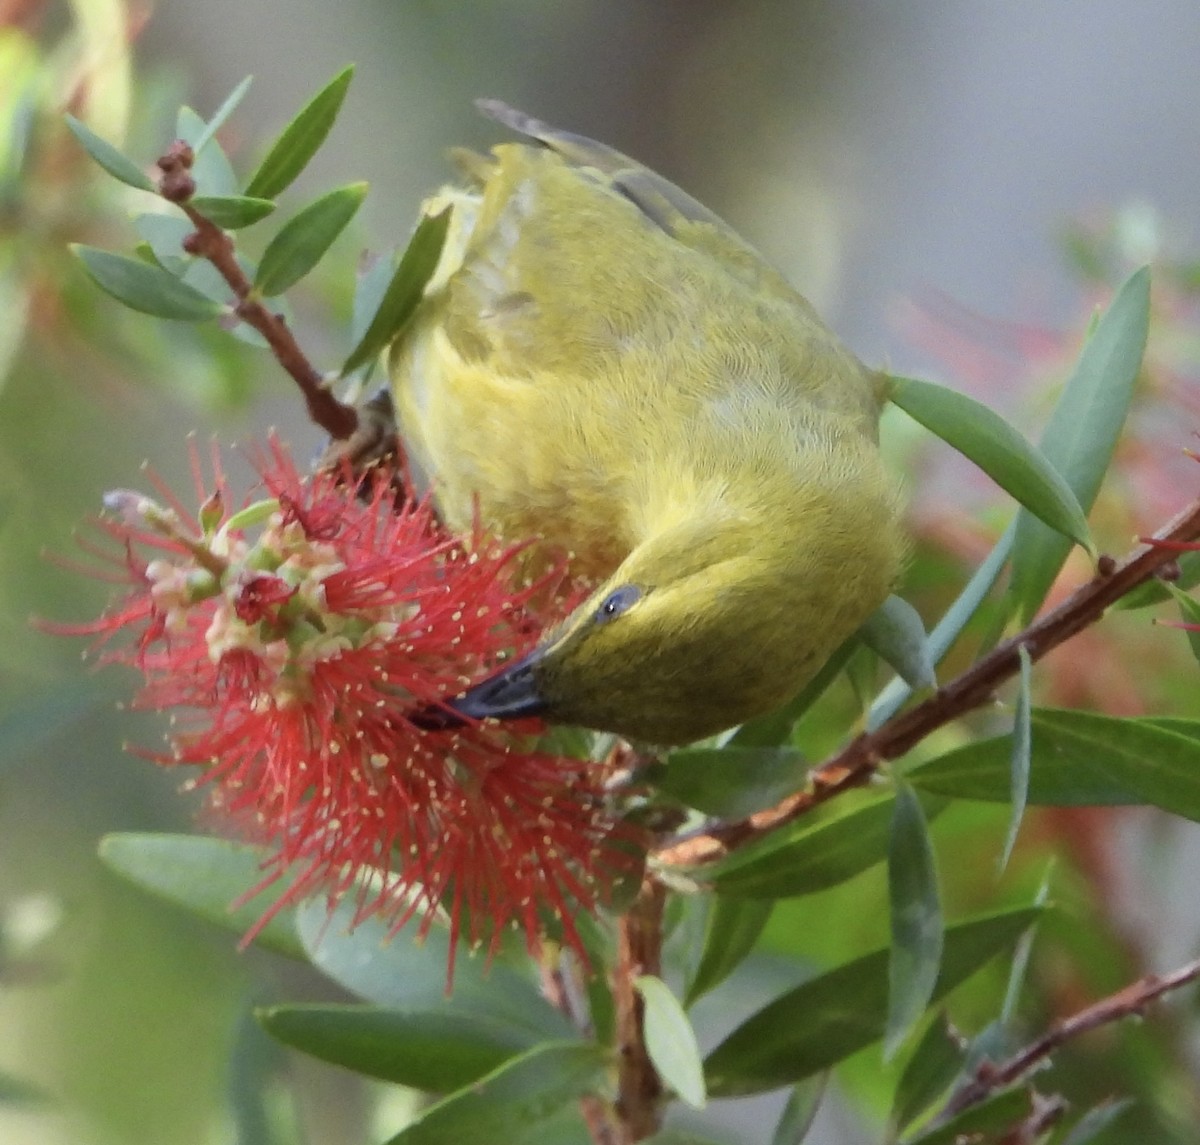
pixel 511 694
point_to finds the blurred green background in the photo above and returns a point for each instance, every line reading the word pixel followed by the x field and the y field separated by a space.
pixel 916 170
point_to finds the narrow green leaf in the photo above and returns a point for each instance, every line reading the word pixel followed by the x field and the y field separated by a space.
pixel 1078 759
pixel 404 291
pixel 896 634
pixel 916 916
pixel 369 291
pixel 118 165
pixel 305 238
pixel 211 169
pixel 800 1111
pixel 947 630
pixel 164 234
pixel 300 140
pixel 406 973
pixel 937 1060
pixel 232 211
pixel 732 928
pixel 816 852
pixel 148 289
pixel 731 782
pixel 982 1122
pixel 827 1019
pixel 227 108
pixel 1022 953
pixel 671 1041
pixel 513 1100
pixel 1082 433
pixel 1156 591
pixel 1096 1120
pixel 983 436
pixel 776 727
pixel 428 1050
pixel 206 876
pixel 1022 750
pixel 1189 611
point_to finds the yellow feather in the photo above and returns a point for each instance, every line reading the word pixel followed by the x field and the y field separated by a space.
pixel 601 363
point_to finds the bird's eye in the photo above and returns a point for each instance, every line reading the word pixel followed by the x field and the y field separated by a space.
pixel 618 601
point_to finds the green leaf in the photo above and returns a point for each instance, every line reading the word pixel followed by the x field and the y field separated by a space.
pixel 434 1051
pixel 776 727
pixel 895 633
pixel 206 876
pixel 227 108
pixel 810 854
pixel 947 630
pixel 1082 434
pixel 1096 1120
pixel 211 168
pixel 731 782
pixel 1189 610
pixel 1020 761
pixel 982 435
pixel 937 1060
pixel 819 1023
pixel 403 972
pixel 671 1041
pixel 980 1122
pixel 148 289
pixel 800 1111
pixel 1078 759
pixel 404 291
pixel 304 239
pixel 164 234
pixel 916 916
pixel 300 140
pixel 232 211
pixel 119 166
pixel 512 1100
pixel 732 928
pixel 369 291
pixel 1156 591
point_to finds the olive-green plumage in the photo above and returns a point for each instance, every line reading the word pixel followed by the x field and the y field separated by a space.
pixel 601 363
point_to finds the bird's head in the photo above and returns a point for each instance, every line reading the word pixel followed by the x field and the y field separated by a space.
pixel 700 628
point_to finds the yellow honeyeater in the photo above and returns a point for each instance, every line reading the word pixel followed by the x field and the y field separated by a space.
pixel 600 363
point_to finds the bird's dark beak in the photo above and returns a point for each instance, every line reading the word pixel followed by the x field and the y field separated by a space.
pixel 511 694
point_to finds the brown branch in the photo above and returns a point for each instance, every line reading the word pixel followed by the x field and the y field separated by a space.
pixel 855 764
pixel 210 242
pixel 639 951
pixel 1129 1000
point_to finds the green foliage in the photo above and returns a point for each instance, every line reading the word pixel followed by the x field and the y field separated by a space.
pixel 836 1014
pixel 512 1101
pixel 300 140
pixel 1003 454
pixel 206 876
pixel 1082 434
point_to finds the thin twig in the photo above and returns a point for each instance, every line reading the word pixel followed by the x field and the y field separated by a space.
pixel 1129 1000
pixel 855 764
pixel 210 242
pixel 639 951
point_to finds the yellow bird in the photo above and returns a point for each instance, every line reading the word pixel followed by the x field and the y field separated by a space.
pixel 600 363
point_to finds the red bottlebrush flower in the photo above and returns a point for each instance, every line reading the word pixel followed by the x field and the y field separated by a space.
pixel 299 635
